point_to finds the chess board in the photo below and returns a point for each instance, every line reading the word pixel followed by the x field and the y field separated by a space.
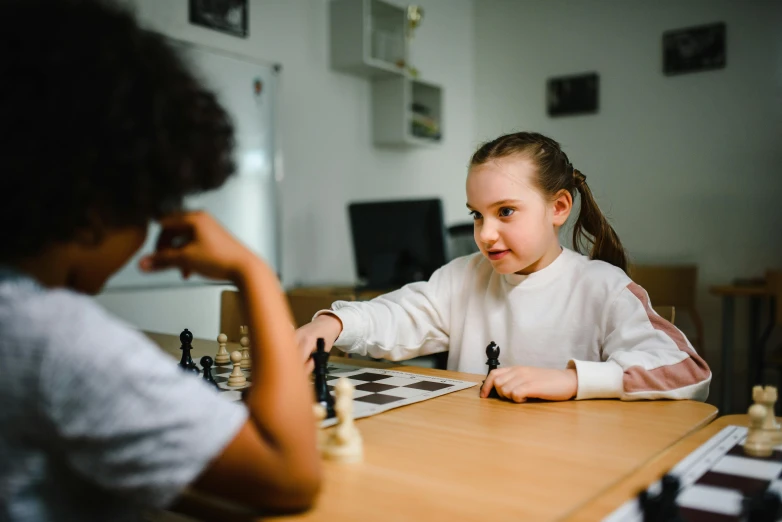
pixel 714 479
pixel 376 390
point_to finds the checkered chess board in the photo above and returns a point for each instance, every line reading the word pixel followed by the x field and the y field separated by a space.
pixel 715 478
pixel 376 390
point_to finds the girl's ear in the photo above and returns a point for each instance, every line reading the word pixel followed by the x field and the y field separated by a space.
pixel 561 207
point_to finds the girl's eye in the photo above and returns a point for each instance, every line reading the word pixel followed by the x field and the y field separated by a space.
pixel 506 212
pixel 475 214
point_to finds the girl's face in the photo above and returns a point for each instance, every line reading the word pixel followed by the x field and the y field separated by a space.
pixel 515 224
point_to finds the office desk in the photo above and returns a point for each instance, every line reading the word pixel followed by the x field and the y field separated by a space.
pixel 728 294
pixel 459 457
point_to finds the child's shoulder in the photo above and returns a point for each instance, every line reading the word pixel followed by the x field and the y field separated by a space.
pixel 60 331
pixel 596 274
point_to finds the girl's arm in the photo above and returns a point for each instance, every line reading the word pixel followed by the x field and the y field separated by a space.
pixel 644 356
pixel 406 323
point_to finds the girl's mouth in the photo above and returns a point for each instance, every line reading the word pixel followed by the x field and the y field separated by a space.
pixel 495 255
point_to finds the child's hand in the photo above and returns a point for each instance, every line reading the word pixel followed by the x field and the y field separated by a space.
pixel 327 326
pixel 196 242
pixel 519 383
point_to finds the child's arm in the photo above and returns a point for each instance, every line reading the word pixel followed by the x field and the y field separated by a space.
pixel 406 323
pixel 272 463
pixel 644 356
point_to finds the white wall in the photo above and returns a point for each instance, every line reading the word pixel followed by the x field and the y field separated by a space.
pixel 328 156
pixel 688 168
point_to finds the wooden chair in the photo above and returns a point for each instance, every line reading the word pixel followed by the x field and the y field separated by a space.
pixel 774 283
pixel 303 306
pixel 666 312
pixel 672 286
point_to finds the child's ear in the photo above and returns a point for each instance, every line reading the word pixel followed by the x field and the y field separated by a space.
pixel 561 207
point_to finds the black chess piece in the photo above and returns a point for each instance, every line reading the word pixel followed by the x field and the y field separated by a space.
pixel 762 507
pixel 186 362
pixel 493 354
pixel 661 507
pixel 322 395
pixel 206 364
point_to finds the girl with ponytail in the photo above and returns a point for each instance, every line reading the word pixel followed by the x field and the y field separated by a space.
pixel 569 325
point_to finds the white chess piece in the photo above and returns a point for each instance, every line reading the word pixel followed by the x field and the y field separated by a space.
pixel 237 377
pixel 344 444
pixel 767 397
pixel 759 441
pixel 319 412
pixel 245 342
pixel 222 356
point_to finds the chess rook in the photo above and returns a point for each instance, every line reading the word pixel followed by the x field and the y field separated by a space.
pixel 237 377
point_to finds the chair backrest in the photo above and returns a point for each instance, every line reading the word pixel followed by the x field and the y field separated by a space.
pixel 231 315
pixel 666 312
pixel 303 304
pixel 774 282
pixel 673 285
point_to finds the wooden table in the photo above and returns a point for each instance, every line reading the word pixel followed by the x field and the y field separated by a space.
pixel 604 504
pixel 459 457
pixel 728 293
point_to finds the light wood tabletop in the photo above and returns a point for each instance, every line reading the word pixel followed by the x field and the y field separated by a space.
pixel 459 457
pixel 605 503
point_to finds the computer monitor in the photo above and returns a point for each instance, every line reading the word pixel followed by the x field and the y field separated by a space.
pixel 397 242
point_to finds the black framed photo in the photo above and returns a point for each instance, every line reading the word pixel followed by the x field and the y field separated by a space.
pixel 694 49
pixel 228 16
pixel 570 95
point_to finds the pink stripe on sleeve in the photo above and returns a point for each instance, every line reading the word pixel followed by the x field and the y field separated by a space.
pixel 691 370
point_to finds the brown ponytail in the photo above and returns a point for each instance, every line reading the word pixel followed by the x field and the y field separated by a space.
pixel 556 173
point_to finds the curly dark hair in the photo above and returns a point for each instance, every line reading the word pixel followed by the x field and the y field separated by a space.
pixel 102 124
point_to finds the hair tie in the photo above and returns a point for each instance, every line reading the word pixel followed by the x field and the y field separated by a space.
pixel 579 179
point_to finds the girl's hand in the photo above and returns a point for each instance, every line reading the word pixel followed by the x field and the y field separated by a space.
pixel 196 242
pixel 519 383
pixel 327 326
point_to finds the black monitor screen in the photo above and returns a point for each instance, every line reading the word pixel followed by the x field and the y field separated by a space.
pixel 397 242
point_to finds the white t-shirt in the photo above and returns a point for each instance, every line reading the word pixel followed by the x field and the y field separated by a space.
pixel 576 311
pixel 96 422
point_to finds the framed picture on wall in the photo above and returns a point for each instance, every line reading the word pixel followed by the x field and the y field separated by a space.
pixel 227 16
pixel 570 95
pixel 694 49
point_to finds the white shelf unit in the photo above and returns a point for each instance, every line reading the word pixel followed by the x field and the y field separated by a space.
pixel 392 110
pixel 368 37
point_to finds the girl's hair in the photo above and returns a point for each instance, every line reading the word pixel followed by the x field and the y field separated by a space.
pixel 555 173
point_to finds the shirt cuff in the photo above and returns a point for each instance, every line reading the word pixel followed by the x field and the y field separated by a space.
pixel 352 331
pixel 598 380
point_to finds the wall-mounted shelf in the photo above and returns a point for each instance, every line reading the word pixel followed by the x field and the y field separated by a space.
pixel 368 37
pixel 406 111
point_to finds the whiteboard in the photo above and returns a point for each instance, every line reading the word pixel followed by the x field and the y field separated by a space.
pixel 247 204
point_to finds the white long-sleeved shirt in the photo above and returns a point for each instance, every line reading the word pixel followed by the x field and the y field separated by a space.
pixel 576 312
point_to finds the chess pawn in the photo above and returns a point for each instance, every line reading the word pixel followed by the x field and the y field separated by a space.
pixel 767 397
pixel 344 444
pixel 759 440
pixel 222 357
pixel 237 377
pixel 246 361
